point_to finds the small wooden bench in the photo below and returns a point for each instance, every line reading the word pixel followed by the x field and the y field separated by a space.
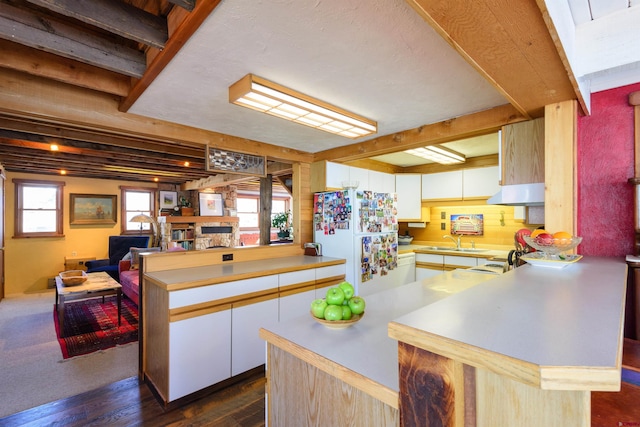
pixel 623 407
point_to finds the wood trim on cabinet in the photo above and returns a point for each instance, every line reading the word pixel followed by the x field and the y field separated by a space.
pixel 297 290
pixel 328 281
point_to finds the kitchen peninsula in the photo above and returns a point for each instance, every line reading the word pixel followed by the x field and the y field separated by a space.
pixel 201 310
pixel 523 348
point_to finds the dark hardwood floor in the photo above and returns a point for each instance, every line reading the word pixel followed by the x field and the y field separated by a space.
pixel 131 403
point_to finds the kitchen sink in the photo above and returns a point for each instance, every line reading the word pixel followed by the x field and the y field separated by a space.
pixel 471 250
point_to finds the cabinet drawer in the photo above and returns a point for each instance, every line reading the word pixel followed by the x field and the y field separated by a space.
pixel 431 258
pixel 210 293
pixel 462 261
pixel 330 271
pixel 293 277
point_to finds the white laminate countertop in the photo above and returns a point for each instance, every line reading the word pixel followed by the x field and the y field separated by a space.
pixel 218 273
pixel 569 318
pixel 365 348
pixel 564 323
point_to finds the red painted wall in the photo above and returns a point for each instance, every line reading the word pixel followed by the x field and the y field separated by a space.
pixel 605 160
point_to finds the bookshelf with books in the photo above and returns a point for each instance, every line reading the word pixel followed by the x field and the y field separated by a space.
pixel 198 232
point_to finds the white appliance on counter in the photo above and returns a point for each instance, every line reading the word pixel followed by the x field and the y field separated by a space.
pixel 362 227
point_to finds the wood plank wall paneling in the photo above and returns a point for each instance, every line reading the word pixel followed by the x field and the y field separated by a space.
pixel 171 260
pixel 156 306
pixel 505 402
pixel 302 204
pixel 321 398
pixel 494 232
pixel 561 167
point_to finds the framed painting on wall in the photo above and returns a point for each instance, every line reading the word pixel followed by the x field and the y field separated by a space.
pixel 87 209
pixel 211 204
pixel 168 199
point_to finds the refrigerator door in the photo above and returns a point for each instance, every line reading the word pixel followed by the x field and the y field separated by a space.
pixel 375 212
pixel 378 255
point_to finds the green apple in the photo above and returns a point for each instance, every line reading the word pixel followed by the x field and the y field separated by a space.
pixel 317 308
pixel 335 296
pixel 356 304
pixel 333 312
pixel 348 289
pixel 346 312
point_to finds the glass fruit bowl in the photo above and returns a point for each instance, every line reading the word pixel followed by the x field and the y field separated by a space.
pixel 552 247
pixel 339 324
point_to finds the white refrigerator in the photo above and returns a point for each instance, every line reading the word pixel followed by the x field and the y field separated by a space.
pixel 362 227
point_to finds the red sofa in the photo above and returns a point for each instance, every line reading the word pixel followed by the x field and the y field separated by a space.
pixel 129 279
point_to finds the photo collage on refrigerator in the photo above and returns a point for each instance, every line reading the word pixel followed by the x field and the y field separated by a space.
pixel 331 212
pixel 377 212
pixel 379 255
pixel 377 215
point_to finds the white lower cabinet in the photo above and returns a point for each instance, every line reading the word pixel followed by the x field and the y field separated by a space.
pixel 425 273
pixel 247 348
pixel 460 261
pixel 199 353
pixel 209 348
pixel 296 304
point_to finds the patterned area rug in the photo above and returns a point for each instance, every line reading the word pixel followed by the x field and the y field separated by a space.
pixel 90 325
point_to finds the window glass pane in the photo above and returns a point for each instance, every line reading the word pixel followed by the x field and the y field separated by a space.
pixel 39 221
pixel 248 219
pixel 277 206
pixel 247 205
pixel 39 197
pixel 136 201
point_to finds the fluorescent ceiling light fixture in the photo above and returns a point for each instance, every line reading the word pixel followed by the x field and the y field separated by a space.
pixel 438 154
pixel 271 98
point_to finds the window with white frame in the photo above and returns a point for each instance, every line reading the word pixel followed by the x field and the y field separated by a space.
pixel 137 201
pixel 39 209
pixel 249 210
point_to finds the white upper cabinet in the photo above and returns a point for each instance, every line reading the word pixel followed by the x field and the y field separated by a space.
pixel 442 185
pixel 382 182
pixel 336 174
pixel 360 175
pixel 467 184
pixel 409 200
pixel 329 176
pixel 480 183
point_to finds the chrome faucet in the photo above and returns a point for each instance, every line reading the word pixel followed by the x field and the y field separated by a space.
pixel 457 243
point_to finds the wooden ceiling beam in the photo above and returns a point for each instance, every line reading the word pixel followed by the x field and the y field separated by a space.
pixel 42 64
pixel 178 38
pixel 84 154
pixel 114 16
pixel 185 4
pixel 41 32
pixel 26 126
pixel 475 124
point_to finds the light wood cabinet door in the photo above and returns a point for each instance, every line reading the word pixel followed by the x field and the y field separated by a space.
pixel 522 152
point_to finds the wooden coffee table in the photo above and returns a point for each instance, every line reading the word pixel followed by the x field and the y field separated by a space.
pixel 97 285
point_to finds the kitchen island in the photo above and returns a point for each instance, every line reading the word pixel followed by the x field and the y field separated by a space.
pixel 201 313
pixel 528 346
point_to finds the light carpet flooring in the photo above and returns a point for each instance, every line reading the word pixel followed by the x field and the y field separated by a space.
pixel 32 370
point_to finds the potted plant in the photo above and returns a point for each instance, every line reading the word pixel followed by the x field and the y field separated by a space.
pixel 282 221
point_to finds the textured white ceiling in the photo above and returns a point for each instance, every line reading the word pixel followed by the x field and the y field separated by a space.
pixel 377 58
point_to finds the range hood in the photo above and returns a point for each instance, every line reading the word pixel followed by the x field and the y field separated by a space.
pixel 519 195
